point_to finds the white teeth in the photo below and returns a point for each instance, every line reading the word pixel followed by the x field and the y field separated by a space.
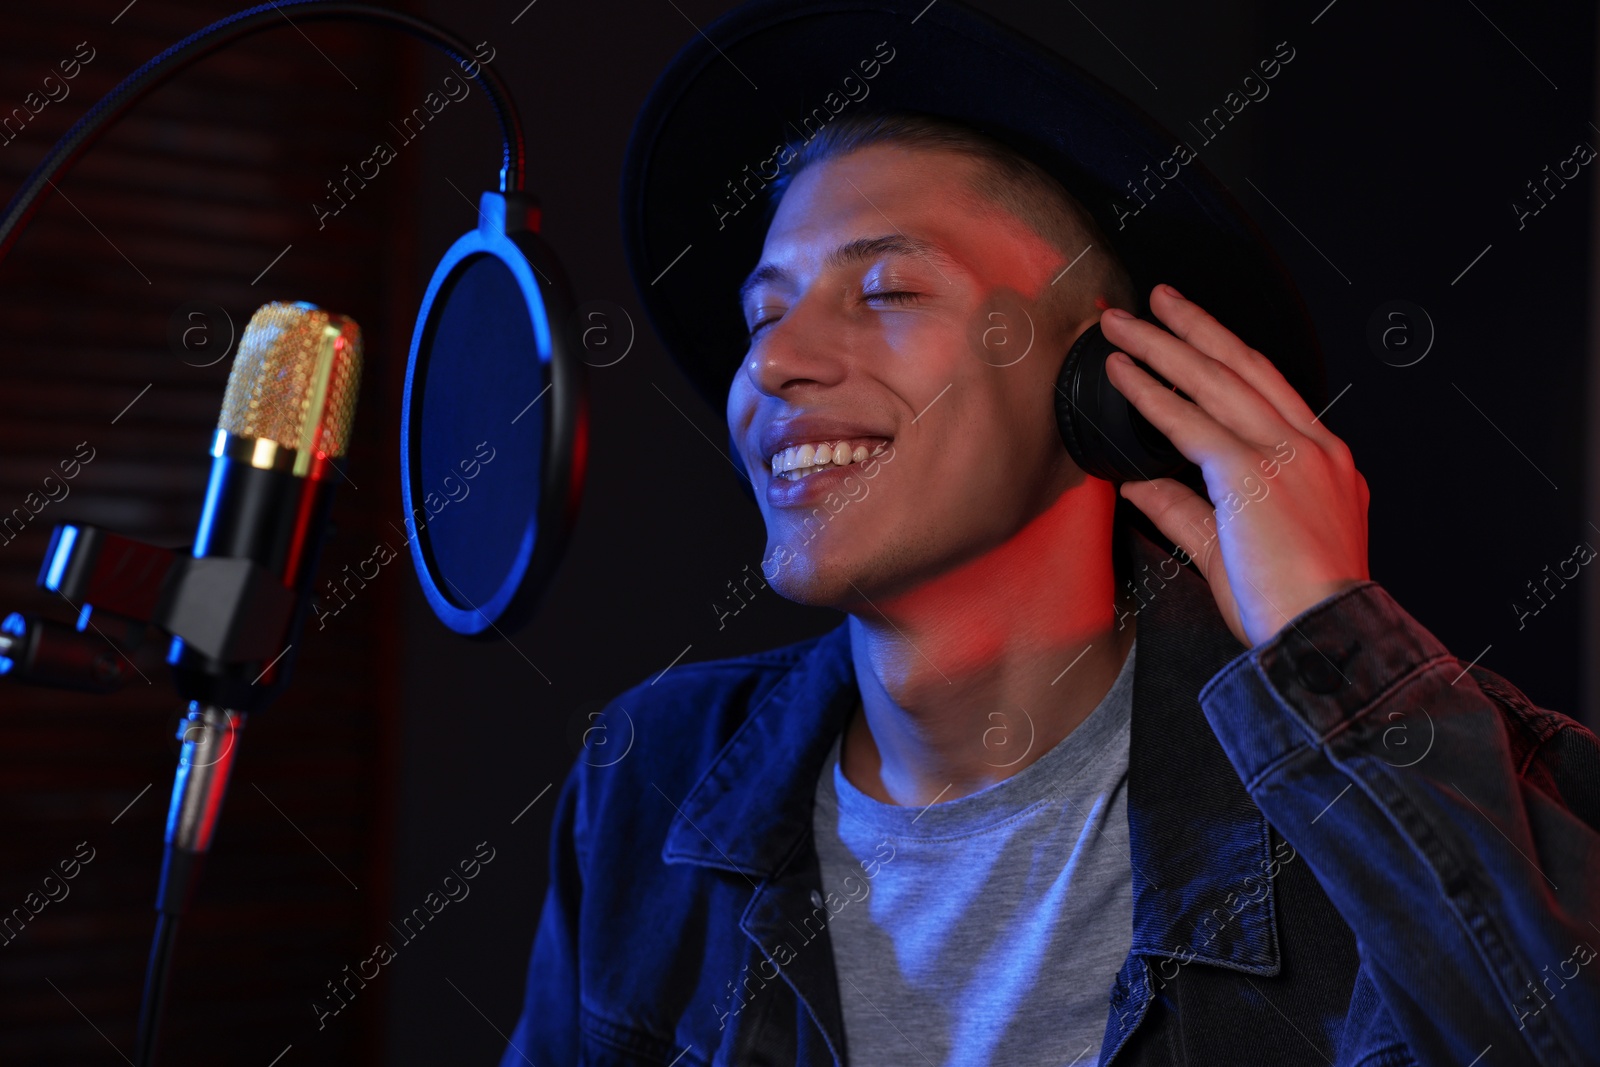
pixel 802 461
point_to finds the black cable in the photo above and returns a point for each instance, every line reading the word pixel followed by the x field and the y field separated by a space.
pixel 155 988
pixel 109 108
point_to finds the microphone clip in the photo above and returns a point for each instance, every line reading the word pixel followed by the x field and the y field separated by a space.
pixel 230 609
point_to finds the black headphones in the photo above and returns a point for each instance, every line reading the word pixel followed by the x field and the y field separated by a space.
pixel 1104 434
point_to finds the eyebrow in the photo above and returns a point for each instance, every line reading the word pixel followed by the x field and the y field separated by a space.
pixel 862 248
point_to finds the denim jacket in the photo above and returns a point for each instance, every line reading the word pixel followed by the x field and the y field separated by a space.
pixel 1347 848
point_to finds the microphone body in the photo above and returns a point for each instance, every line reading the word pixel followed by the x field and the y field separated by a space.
pixel 278 520
pixel 284 426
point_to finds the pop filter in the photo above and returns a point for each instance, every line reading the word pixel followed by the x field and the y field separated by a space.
pixel 494 424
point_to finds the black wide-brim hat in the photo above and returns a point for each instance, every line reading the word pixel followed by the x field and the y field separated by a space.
pixel 770 72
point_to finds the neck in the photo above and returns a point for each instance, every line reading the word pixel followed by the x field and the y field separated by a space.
pixel 970 677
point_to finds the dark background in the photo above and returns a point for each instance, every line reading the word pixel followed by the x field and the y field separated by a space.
pixel 1385 159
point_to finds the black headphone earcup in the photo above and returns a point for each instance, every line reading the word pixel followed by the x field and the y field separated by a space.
pixel 1105 434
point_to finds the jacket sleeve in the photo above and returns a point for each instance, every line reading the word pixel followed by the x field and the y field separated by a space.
pixel 1455 826
pixel 547 1032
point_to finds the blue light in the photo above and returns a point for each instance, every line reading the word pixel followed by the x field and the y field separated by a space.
pixel 208 514
pixel 185 761
pixel 67 536
pixel 175 805
pixel 16 626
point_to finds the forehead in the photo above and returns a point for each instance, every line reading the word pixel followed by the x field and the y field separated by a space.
pixel 892 200
pixel 907 167
pixel 885 184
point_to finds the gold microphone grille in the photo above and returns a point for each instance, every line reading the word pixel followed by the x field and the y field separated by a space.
pixel 294 379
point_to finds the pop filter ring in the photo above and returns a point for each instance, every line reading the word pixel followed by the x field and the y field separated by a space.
pixel 505 234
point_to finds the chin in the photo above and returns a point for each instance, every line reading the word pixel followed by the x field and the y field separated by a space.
pixel 818 574
pixel 822 575
pixel 797 576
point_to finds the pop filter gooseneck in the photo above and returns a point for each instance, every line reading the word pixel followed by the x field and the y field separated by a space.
pixel 195 47
pixel 492 360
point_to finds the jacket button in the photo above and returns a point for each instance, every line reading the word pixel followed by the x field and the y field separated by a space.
pixel 1319 672
pixel 816 899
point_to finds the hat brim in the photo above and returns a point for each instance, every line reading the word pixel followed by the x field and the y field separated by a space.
pixel 706 141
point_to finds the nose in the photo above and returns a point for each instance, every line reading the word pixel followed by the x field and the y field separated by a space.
pixel 803 348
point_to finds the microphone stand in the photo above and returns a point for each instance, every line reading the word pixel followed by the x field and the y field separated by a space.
pixel 209 735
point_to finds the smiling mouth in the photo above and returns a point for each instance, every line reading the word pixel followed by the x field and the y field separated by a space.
pixel 802 461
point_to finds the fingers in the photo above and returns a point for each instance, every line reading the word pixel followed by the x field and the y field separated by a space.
pixel 1215 387
pixel 1193 431
pixel 1193 326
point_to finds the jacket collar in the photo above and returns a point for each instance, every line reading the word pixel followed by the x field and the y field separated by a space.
pixel 1201 850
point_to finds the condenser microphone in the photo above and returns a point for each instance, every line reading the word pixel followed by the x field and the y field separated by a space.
pixel 283 431
pixel 275 459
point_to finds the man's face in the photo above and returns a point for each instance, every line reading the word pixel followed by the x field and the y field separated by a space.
pixel 954 381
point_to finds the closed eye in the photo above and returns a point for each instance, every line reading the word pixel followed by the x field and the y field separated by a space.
pixel 896 297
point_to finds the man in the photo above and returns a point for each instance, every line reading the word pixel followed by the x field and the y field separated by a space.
pixel 1255 813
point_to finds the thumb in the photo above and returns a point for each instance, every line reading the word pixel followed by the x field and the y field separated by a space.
pixel 1182 515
